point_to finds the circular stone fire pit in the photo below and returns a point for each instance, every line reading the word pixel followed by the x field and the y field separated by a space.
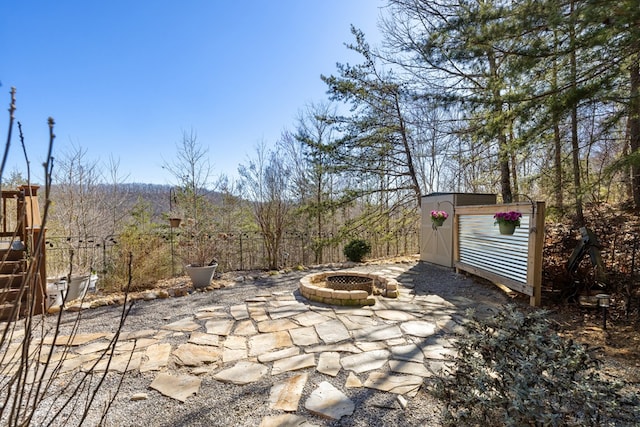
pixel 347 288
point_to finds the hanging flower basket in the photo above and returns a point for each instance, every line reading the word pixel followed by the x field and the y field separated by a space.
pixel 507 221
pixel 438 218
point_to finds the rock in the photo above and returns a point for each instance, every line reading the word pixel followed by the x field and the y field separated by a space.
pixel 402 401
pixel 139 396
pixel 149 296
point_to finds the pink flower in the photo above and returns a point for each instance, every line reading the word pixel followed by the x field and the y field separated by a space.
pixel 439 215
pixel 508 217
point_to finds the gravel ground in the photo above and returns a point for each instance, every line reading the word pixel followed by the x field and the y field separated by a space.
pixel 222 404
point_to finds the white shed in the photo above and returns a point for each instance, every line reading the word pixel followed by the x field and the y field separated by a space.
pixel 436 244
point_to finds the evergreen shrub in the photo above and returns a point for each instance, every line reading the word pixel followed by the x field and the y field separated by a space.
pixel 357 249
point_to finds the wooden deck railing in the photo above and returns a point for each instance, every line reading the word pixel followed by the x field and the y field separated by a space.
pixel 23 227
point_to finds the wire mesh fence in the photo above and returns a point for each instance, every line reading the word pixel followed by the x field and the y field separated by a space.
pixel 235 251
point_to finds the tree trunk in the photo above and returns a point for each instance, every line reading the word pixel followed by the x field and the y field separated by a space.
pixel 634 127
pixel 575 147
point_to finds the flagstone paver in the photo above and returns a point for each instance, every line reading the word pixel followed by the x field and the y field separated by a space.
pixel 245 327
pixel 419 328
pixel 278 354
pixel 276 325
pixel 345 347
pixel 233 342
pixel 352 322
pixel 156 357
pixel 119 363
pixel 438 351
pixel 332 331
pixel 368 346
pixel 285 395
pixel 183 325
pixel 353 381
pixel 196 355
pixel 411 368
pixel 76 340
pixel 399 384
pixel 178 387
pixel 93 347
pixel 285 420
pixel 310 318
pixel 134 335
pixel 367 361
pixel 135 345
pixel 219 327
pixel 329 363
pixel 396 315
pixel 72 363
pixel 377 333
pixel 304 336
pixel 239 312
pixel 408 352
pixel 258 312
pixel 396 342
pixel 329 402
pixel 243 372
pixel 287 311
pixel 293 363
pixel 264 343
pixel 231 355
pixel 203 338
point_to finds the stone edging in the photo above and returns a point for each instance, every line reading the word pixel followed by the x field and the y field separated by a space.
pixel 311 287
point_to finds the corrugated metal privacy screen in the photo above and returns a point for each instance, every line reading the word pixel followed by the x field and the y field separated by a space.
pixel 481 245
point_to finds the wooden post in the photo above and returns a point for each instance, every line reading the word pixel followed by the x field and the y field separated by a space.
pixel 536 245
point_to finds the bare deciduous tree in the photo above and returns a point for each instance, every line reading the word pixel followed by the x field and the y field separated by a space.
pixel 265 183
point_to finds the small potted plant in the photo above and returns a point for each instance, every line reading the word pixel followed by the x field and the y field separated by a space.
pixel 507 221
pixel 438 218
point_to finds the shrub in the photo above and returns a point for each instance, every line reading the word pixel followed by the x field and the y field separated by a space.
pixel 514 370
pixel 357 249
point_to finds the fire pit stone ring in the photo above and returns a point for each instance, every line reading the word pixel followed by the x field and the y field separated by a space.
pixel 347 288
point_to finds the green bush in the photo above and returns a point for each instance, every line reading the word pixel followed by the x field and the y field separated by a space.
pixel 514 370
pixel 357 249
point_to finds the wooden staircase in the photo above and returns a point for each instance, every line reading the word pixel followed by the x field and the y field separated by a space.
pixel 22 264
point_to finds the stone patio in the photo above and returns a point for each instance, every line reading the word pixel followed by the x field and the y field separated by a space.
pixel 391 346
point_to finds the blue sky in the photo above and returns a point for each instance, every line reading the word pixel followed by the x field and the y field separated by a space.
pixel 126 78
